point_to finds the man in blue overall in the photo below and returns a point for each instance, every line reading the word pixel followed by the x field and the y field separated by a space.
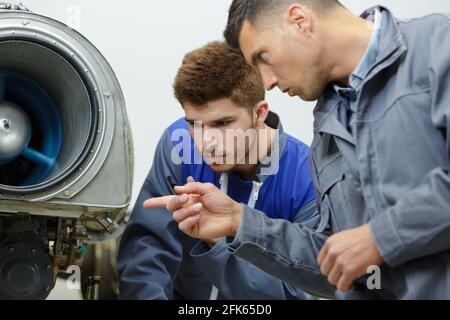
pixel 268 170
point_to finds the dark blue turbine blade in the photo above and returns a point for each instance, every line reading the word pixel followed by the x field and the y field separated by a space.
pixel 38 158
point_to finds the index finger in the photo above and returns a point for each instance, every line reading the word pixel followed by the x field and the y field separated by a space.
pixel 160 202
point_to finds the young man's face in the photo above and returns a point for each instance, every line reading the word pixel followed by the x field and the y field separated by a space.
pixel 287 55
pixel 215 126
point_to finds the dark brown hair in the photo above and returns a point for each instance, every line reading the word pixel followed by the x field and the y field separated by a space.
pixel 252 10
pixel 218 71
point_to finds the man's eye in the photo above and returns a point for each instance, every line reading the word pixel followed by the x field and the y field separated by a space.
pixel 262 57
pixel 222 123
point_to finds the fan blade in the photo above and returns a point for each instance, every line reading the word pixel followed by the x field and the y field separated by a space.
pixel 38 157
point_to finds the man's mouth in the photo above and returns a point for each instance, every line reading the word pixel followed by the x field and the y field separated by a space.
pixel 288 91
pixel 214 159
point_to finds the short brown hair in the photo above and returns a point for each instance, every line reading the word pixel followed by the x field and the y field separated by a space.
pixel 218 71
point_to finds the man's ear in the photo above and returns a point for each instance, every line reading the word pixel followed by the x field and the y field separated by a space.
pixel 301 17
pixel 260 112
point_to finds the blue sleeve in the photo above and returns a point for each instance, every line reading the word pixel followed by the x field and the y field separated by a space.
pixel 150 252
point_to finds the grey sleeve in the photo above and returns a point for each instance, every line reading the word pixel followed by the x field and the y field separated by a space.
pixel 239 279
pixel 286 250
pixel 419 223
pixel 150 252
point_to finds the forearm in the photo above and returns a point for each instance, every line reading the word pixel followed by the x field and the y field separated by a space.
pixel 238 279
pixel 283 249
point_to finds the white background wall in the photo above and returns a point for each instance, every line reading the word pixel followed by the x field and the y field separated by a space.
pixel 144 41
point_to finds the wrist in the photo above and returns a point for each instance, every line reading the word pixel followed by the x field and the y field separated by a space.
pixel 374 247
pixel 236 219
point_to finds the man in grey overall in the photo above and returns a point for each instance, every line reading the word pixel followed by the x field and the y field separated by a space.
pixel 380 158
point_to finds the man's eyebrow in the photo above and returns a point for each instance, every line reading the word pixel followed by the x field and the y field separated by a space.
pixel 223 119
pixel 192 120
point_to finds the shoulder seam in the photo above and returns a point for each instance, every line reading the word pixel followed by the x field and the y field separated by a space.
pixel 438 14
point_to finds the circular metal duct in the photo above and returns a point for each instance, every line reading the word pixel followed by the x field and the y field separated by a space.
pixel 63 119
pixel 61 88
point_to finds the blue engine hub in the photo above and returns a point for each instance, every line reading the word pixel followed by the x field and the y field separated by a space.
pixel 30 130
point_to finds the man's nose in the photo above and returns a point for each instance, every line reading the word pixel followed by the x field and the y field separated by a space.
pixel 270 81
pixel 209 140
